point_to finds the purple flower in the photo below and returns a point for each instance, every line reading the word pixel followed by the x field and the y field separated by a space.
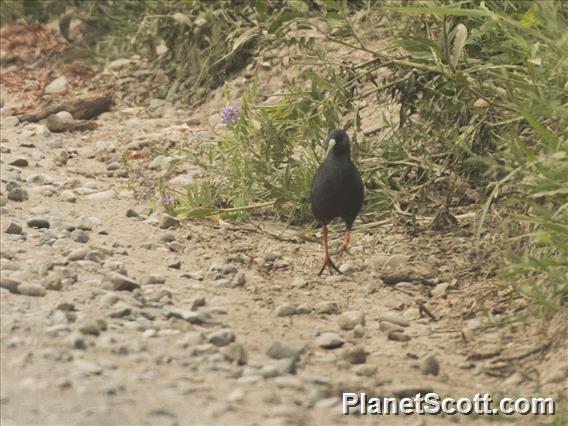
pixel 166 200
pixel 230 115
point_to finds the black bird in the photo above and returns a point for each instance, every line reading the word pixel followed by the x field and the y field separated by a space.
pixel 337 190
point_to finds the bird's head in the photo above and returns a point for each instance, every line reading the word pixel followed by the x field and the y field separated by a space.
pixel 338 143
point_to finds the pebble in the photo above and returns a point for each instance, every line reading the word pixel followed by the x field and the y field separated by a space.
pixel 18 194
pixel 68 196
pixel 161 162
pixel 329 341
pixel 100 196
pixel 13 228
pixel 181 180
pixel 356 355
pixel 10 121
pixel 166 222
pixel 358 331
pixel 59 85
pixel 327 308
pixel 221 337
pixel 78 254
pixel 118 282
pixel 280 350
pixel 19 162
pixel 9 283
pixel 430 366
pixel 30 289
pixel 38 223
pixel 395 318
pixel 87 368
pixel 349 319
pixel 155 279
pixel 285 310
pixel 90 327
pixel 398 336
pixel 53 281
pixel 79 236
pixel 236 352
pixel 132 213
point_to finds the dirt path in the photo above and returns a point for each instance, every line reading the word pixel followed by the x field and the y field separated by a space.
pixel 212 325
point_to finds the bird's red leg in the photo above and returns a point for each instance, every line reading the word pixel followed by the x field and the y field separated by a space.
pixel 344 245
pixel 327 262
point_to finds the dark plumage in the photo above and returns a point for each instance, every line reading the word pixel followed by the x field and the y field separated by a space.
pixel 337 190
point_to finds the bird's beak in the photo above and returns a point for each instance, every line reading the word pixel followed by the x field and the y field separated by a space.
pixel 330 146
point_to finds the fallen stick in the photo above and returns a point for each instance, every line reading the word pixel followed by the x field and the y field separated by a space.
pixel 83 107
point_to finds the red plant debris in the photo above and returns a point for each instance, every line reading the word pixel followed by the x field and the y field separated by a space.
pixel 26 53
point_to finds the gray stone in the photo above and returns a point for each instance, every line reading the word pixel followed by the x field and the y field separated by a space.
pixel 13 228
pixel 221 337
pixel 118 282
pixel 155 279
pixel 59 85
pixel 101 196
pixel 161 162
pixel 356 355
pixel 327 307
pixel 349 319
pixel 181 180
pixel 78 254
pixel 79 236
pixel 19 162
pixel 9 282
pixel 38 222
pixel 68 196
pixel 90 327
pixel 285 310
pixel 17 194
pixel 280 350
pixel 30 289
pixel 430 366
pixel 329 341
pixel 167 222
pixel 236 352
pixel 132 213
pixel 395 318
pixel 10 121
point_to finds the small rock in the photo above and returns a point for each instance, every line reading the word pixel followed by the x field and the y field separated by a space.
pixel 59 85
pixel 17 194
pixel 358 331
pixel 356 355
pixel 90 327
pixel 395 318
pixel 236 352
pixel 215 119
pixel 329 341
pixel 440 290
pixel 13 228
pixel 155 279
pixel 38 223
pixel 181 180
pixel 68 196
pixel 327 308
pixel 19 162
pixel 161 162
pixel 29 289
pixel 349 319
pixel 430 366
pixel 119 282
pixel 167 222
pixel 285 310
pixel 100 196
pixel 9 283
pixel 10 121
pixel 398 336
pixel 221 337
pixel 280 350
pixel 79 236
pixel 132 213
pixel 53 282
pixel 78 254
pixel 87 368
pixel 173 263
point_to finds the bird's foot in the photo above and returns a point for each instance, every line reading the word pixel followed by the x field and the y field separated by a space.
pixel 328 263
pixel 345 244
